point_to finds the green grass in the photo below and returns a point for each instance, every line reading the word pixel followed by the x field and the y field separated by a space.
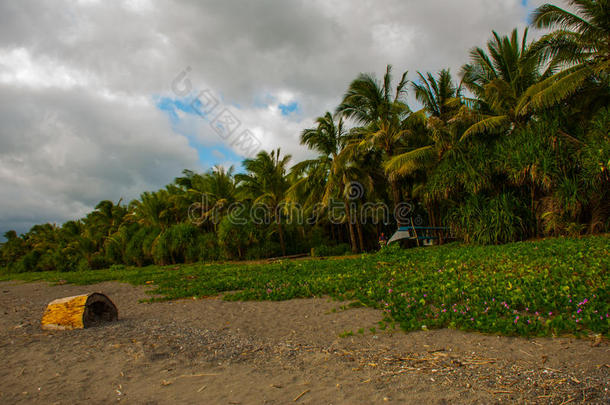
pixel 553 286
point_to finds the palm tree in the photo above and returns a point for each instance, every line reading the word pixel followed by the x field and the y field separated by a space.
pixel 334 173
pixel 581 43
pixel 383 115
pixel 265 182
pixel 440 97
pixel 209 194
pixel 152 209
pixel 103 221
pixel 12 249
pixel 499 78
pixel 310 177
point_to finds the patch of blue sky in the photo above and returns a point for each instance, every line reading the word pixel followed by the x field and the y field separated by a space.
pixel 209 155
pixel 218 154
pixel 288 109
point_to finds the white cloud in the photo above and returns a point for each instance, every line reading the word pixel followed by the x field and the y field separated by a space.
pixel 17 68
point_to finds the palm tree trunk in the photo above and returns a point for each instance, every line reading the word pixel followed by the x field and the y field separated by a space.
pixel 432 209
pixel 352 237
pixel 360 239
pixel 359 229
pixel 396 198
pixel 280 232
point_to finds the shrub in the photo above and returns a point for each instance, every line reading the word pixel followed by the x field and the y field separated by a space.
pixel 176 244
pixel 330 250
pixel 499 219
pixel 139 248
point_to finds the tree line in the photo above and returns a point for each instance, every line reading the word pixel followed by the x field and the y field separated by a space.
pixel 516 146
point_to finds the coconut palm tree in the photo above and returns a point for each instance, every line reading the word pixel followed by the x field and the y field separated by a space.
pixel 499 78
pixel 580 44
pixel 334 173
pixel 382 113
pixel 265 182
pixel 328 139
pixel 208 196
pixel 152 209
pixel 310 177
pixel 103 221
pixel 440 97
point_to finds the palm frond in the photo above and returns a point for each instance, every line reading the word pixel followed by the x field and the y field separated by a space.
pixel 553 90
pixel 409 162
pixel 490 124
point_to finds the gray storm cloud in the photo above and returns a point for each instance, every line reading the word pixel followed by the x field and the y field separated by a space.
pixel 79 79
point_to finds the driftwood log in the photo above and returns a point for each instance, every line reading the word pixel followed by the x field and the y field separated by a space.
pixel 80 311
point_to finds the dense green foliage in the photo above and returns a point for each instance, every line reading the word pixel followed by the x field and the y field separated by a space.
pixel 552 286
pixel 519 149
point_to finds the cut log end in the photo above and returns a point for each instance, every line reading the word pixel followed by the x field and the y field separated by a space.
pixel 99 309
pixel 81 311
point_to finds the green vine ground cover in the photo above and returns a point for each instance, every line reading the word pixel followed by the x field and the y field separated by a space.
pixel 547 287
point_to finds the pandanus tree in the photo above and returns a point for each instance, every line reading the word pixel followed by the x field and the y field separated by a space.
pixel 265 182
pixel 381 110
pixel 580 43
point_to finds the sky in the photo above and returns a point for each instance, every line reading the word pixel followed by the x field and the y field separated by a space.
pixel 102 100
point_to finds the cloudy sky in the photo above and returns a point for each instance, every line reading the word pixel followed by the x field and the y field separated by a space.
pixel 106 99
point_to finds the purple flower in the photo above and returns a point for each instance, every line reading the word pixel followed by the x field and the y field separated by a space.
pixel 516 319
